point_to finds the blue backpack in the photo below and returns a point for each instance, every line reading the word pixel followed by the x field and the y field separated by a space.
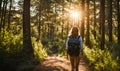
pixel 74 46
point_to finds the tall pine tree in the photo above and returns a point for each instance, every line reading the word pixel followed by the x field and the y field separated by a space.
pixel 88 26
pixel 27 45
pixel 102 23
pixel 83 19
pixel 110 19
pixel 118 19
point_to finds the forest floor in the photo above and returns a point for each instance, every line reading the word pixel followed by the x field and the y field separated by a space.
pixel 56 63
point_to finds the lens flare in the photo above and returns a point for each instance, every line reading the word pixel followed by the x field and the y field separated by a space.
pixel 75 14
pixel 75 17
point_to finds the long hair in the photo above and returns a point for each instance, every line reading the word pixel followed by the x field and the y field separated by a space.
pixel 74 31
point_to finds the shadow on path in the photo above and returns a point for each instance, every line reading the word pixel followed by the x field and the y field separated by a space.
pixel 55 63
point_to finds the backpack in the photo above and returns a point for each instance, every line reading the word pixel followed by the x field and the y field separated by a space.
pixel 73 46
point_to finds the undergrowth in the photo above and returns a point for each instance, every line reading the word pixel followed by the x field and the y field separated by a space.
pixel 39 50
pixel 101 60
pixel 10 53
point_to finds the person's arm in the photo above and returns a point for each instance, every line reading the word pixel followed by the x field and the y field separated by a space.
pixel 81 45
pixel 67 43
pixel 67 46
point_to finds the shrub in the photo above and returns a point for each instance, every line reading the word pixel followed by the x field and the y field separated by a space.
pixel 101 60
pixel 39 50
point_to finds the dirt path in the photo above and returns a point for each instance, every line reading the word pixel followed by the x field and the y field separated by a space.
pixel 55 63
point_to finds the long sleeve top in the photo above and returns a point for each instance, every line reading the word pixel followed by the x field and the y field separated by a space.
pixel 81 43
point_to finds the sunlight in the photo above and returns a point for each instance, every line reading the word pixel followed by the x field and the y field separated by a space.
pixel 75 16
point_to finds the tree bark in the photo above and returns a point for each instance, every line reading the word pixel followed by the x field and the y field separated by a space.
pixel 83 19
pixel 62 20
pixel 5 9
pixel 0 5
pixel 27 45
pixel 88 26
pixel 9 16
pixel 94 19
pixel 2 15
pixel 110 19
pixel 102 22
pixel 39 23
pixel 118 19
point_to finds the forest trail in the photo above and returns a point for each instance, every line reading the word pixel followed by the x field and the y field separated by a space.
pixel 55 63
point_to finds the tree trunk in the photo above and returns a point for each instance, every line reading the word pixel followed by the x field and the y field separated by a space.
pixel 0 6
pixel 9 16
pixel 38 27
pixel 94 19
pixel 45 28
pixel 83 19
pixel 48 30
pixel 118 19
pixel 62 28
pixel 27 45
pixel 102 22
pixel 39 23
pixel 88 26
pixel 110 19
pixel 2 15
pixel 62 20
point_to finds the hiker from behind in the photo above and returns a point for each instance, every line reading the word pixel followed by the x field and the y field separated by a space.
pixel 74 47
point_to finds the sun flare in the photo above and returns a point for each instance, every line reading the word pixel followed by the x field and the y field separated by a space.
pixel 75 14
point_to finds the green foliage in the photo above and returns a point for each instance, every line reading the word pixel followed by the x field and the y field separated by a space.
pixel 116 51
pixel 11 43
pixel 39 51
pixel 61 46
pixel 10 48
pixel 54 45
pixel 101 60
pixel 10 53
